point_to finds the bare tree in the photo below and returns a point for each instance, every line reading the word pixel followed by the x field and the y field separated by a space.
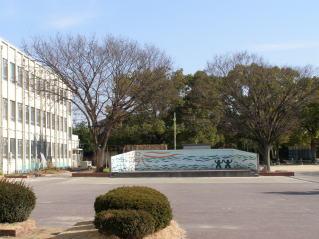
pixel 262 102
pixel 221 65
pixel 108 79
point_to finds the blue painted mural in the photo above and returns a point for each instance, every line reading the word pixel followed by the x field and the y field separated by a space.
pixel 201 159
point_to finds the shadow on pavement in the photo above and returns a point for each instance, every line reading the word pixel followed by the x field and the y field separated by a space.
pixel 81 230
pixel 313 192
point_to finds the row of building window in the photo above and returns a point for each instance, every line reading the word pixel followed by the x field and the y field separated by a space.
pixel 35 148
pixel 34 84
pixel 37 116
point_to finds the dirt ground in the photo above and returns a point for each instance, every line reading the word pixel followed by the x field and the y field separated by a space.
pixel 86 230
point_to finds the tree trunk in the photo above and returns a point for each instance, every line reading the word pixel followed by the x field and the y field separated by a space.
pixel 100 159
pixel 313 149
pixel 267 157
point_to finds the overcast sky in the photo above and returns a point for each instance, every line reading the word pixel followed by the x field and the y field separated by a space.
pixel 285 32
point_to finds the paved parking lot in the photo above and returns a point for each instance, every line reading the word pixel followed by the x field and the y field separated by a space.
pixel 221 208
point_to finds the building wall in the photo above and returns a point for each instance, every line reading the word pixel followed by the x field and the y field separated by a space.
pixel 35 125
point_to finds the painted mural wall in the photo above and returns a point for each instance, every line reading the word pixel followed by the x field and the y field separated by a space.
pixel 165 160
pixel 123 162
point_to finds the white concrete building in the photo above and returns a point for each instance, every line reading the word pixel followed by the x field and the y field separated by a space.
pixel 36 127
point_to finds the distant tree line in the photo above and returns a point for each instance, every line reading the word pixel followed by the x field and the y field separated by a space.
pixel 127 94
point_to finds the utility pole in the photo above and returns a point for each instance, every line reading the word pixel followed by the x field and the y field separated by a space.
pixel 174 119
pixel 1 113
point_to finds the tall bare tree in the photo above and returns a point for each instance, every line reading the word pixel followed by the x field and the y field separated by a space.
pixel 108 79
pixel 221 65
pixel 262 102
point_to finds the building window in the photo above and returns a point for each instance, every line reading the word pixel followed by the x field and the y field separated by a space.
pixel 27 149
pixel 5 108
pixel 13 148
pixel 69 108
pixel 39 150
pixel 53 150
pixel 33 149
pixel 38 86
pixel 32 83
pixel 20 148
pixel 44 119
pixel 65 97
pixel 61 123
pixel 38 117
pixel 49 120
pixel 26 80
pixel 20 112
pixel 61 95
pixel 53 121
pixel 60 151
pixel 49 150
pixel 4 69
pixel 45 146
pixel 32 115
pixel 27 114
pixel 12 72
pixel 65 124
pixel 52 92
pixel 56 150
pixel 63 151
pixel 47 89
pixel 20 76
pixel 13 110
pixel 70 133
pixel 5 147
pixel 56 90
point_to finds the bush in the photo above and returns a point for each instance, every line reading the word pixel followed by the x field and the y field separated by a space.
pixel 16 201
pixel 137 198
pixel 106 170
pixel 130 224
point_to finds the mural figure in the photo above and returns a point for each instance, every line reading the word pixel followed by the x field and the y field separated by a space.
pixel 227 163
pixel 218 164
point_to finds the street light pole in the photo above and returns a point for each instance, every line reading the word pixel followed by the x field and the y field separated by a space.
pixel 174 130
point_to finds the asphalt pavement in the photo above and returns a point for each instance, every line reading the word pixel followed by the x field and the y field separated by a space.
pixel 207 208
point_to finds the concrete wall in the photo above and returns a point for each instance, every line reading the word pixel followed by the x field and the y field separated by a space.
pixel 166 160
pixel 123 162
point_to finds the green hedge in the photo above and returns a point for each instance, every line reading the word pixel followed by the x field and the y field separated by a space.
pixel 129 224
pixel 16 201
pixel 137 198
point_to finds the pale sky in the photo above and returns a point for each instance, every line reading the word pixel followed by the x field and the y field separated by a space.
pixel 284 32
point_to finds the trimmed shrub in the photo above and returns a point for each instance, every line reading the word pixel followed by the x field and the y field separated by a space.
pixel 137 198
pixel 129 224
pixel 17 201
